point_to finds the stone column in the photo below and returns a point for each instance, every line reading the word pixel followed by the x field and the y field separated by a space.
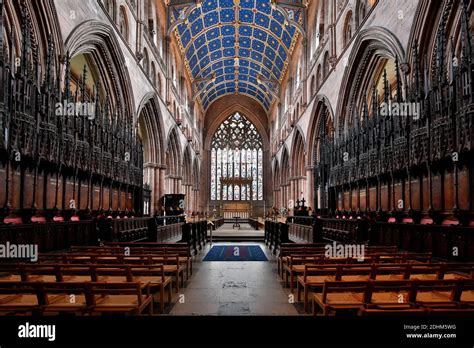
pixel 161 183
pixel 309 185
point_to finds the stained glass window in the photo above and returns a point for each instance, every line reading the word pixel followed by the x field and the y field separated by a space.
pixel 237 161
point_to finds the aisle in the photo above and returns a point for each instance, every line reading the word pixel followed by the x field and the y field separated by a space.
pixel 234 288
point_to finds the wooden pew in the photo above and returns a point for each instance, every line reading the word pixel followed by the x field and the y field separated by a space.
pixel 51 236
pixel 438 239
pixel 434 293
pixel 314 275
pixel 344 230
pixel 300 233
pixel 91 298
pixel 171 262
pixel 148 275
pixel 465 294
pixel 392 295
pixel 389 295
pixel 183 249
pixel 19 297
pixel 294 264
pixel 119 298
pixel 337 295
pixel 130 249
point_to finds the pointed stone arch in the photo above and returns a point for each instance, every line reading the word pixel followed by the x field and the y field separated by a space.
pixel 371 44
pixel 99 40
pixel 150 129
pixel 298 167
pixel 285 173
pixel 174 173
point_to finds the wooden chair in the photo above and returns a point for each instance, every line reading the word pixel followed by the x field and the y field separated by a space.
pixel 156 278
pixel 340 295
pixel 314 276
pixel 389 295
pixel 19 297
pixel 127 298
pixel 465 293
pixel 70 297
pixel 434 293
pixel 392 271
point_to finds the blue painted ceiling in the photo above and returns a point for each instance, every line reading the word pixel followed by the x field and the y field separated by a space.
pixel 235 41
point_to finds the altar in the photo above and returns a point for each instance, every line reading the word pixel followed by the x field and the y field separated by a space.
pixel 242 209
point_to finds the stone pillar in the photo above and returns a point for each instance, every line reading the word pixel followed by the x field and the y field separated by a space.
pixel 267 179
pixel 292 191
pixel 155 189
pixel 205 182
pixel 310 186
pixel 161 183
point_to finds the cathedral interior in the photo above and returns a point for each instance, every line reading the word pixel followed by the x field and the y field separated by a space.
pixel 288 137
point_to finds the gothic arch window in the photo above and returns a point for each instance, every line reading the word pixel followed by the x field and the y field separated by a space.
pixel 288 94
pixel 237 161
pixel 159 40
pixel 348 29
pixel 146 61
pixel 319 77
pixel 150 15
pixel 278 117
pixel 312 86
pixel 316 39
pixel 362 10
pixel 173 75
pixel 326 67
pixel 110 6
pixel 298 76
pixel 158 84
pixel 322 17
pixel 153 73
pixel 123 23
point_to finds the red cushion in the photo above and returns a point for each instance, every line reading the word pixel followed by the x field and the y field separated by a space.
pixel 426 221
pixel 12 220
pixel 58 218
pixel 38 219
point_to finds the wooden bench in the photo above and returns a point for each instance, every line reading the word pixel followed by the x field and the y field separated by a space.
pixel 337 295
pixel 127 249
pixel 294 264
pixel 434 293
pixel 399 295
pixel 288 249
pixel 300 233
pixel 20 297
pixel 171 262
pixel 149 275
pixel 125 230
pixel 89 298
pixel 344 230
pixel 315 275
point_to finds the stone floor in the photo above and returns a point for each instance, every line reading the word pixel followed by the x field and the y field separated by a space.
pixel 245 230
pixel 234 288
